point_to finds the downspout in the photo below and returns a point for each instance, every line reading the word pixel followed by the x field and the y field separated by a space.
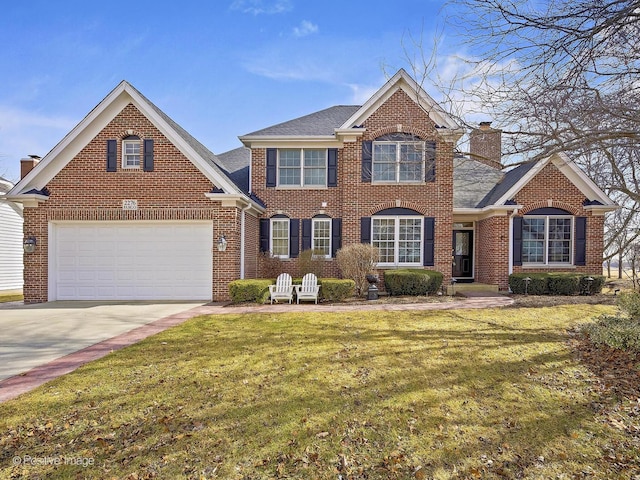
pixel 242 225
pixel 515 212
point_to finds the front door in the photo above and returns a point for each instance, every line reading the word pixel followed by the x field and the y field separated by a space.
pixel 462 254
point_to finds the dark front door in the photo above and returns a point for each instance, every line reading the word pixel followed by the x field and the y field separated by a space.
pixel 462 254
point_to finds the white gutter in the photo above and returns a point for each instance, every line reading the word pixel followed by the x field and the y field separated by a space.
pixel 242 240
pixel 515 212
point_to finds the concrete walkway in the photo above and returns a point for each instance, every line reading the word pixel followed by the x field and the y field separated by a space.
pixel 53 339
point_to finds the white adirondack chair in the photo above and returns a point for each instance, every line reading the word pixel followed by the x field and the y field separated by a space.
pixel 283 289
pixel 309 288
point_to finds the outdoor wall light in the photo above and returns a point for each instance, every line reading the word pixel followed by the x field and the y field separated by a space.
pixel 29 244
pixel 222 243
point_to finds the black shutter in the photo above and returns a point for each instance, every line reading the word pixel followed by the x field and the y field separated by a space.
pixel 336 235
pixel 306 234
pixel 517 240
pixel 367 155
pixel 428 259
pixel 332 167
pixel 148 155
pixel 365 230
pixel 265 225
pixel 430 162
pixel 272 166
pixel 581 241
pixel 294 237
pixel 112 156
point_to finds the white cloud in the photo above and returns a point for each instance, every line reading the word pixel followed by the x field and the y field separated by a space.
pixel 305 28
pixel 257 7
pixel 23 133
pixel 362 93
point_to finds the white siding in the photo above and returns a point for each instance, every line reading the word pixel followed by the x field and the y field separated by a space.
pixel 10 246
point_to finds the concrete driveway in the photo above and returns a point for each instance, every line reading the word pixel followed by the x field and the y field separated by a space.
pixel 32 335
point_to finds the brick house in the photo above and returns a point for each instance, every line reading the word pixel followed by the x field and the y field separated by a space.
pixel 130 206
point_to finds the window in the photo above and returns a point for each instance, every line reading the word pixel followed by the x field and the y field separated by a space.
pixel 399 239
pixel 546 240
pixel 280 237
pixel 321 234
pixel 131 152
pixel 302 167
pixel 398 161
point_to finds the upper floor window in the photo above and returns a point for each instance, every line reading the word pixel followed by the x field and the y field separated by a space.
pixel 546 239
pixel 398 158
pixel 302 167
pixel 131 148
pixel 398 161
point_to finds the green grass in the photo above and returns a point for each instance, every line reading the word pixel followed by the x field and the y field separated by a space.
pixel 448 394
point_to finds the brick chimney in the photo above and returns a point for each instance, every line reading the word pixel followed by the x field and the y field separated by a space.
pixel 28 164
pixel 486 145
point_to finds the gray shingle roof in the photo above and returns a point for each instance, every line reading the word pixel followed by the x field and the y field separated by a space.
pixel 472 181
pixel 323 122
pixel 235 163
pixel 200 149
pixel 509 179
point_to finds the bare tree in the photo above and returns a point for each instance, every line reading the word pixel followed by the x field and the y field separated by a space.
pixel 559 76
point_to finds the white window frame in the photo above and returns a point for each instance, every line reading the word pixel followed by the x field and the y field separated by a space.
pixel 126 156
pixel 396 239
pixel 547 241
pixel 398 161
pixel 285 221
pixel 314 221
pixel 302 168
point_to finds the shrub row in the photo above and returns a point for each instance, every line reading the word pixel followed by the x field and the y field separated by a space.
pixel 556 283
pixel 412 281
pixel 331 289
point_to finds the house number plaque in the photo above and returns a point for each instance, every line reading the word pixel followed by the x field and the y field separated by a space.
pixel 129 204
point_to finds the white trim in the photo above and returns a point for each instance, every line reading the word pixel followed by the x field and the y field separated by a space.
pixel 402 80
pixel 313 231
pixel 85 131
pixel 291 141
pixel 287 220
pixel 473 250
pixel 398 162
pixel 396 239
pixel 124 143
pixel 571 171
pixel 301 169
pixel 546 263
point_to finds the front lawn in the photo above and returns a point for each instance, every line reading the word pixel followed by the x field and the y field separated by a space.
pixel 443 394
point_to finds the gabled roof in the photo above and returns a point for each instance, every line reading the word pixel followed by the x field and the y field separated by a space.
pixel 99 117
pixel 344 121
pixel 504 184
pixel 402 80
pixel 514 180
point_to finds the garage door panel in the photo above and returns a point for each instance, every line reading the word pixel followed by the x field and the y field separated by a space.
pixel 132 261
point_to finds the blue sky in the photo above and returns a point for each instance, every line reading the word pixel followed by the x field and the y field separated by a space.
pixel 220 68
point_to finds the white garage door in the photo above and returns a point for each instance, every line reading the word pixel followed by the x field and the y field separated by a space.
pixel 130 261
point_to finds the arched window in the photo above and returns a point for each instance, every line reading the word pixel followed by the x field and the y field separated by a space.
pixel 131 151
pixel 547 235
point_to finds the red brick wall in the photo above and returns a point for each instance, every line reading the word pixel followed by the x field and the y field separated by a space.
pixel 551 184
pixel 492 251
pixel 353 199
pixel 175 190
